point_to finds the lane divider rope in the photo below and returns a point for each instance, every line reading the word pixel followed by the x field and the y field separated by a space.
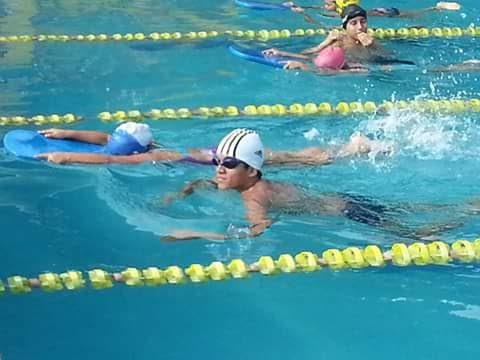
pixel 262 35
pixel 401 255
pixel 39 120
pixel 296 109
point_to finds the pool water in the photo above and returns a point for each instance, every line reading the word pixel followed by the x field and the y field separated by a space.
pixel 56 218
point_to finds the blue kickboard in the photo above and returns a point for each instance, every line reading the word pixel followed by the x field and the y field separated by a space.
pixel 257 56
pixel 258 5
pixel 28 144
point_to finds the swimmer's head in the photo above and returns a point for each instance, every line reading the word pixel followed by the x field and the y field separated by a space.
pixel 339 5
pixel 353 13
pixel 244 145
pixel 330 58
pixel 238 160
pixel 129 138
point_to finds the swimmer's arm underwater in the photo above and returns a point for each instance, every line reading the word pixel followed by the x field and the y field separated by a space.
pixel 235 234
pixel 472 65
pixel 192 186
pixel 92 137
pixel 189 189
pixel 256 214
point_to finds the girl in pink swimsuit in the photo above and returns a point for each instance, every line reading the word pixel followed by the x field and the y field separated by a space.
pixel 328 59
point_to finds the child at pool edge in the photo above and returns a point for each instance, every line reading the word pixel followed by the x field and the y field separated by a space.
pixel 358 144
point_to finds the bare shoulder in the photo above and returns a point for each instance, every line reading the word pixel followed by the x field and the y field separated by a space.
pixel 281 191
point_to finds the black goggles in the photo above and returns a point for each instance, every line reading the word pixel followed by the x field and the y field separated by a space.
pixel 228 162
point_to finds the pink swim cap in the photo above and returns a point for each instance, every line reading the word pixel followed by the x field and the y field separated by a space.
pixel 330 58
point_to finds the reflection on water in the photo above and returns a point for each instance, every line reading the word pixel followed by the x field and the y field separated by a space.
pixel 16 19
pixel 25 186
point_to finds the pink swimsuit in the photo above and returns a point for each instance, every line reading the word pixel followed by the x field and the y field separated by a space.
pixel 330 58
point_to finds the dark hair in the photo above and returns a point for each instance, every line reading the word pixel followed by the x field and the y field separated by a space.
pixel 259 173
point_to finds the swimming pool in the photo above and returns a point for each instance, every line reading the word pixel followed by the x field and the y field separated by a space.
pixel 56 218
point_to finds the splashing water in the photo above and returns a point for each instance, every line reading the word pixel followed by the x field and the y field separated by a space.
pixel 426 136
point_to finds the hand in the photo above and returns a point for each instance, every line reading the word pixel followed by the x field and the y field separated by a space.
pixel 271 52
pixel 297 9
pixel 333 36
pixel 365 39
pixel 55 157
pixel 55 133
pixel 294 65
pixel 444 5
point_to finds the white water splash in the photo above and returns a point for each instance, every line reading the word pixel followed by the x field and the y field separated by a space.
pixel 426 136
pixel 311 134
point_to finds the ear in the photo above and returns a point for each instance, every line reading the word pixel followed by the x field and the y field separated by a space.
pixel 251 172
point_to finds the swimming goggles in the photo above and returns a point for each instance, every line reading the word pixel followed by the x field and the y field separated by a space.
pixel 228 163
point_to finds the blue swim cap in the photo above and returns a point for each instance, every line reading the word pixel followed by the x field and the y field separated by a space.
pixel 129 138
pixel 122 143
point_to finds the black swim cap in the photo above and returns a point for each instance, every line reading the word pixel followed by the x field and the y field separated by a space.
pixel 350 12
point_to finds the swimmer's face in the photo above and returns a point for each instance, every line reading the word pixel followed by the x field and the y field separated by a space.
pixel 355 26
pixel 329 5
pixel 236 178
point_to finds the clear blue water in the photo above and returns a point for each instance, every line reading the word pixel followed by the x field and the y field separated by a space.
pixel 56 218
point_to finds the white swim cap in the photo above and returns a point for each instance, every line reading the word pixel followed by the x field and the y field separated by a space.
pixel 244 145
pixel 141 132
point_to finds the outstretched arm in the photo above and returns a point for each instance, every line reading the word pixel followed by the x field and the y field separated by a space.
pixel 89 158
pixel 472 65
pixel 92 137
pixel 79 158
pixel 439 6
pixel 357 145
pixel 308 156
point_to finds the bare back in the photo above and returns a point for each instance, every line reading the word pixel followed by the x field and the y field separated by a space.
pixel 286 198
